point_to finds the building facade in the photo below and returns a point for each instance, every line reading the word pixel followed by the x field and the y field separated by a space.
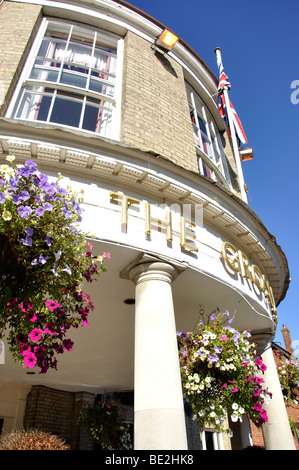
pixel 85 91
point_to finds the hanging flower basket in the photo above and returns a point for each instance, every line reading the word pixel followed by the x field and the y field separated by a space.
pixel 221 374
pixel 44 262
pixel 104 422
pixel 288 373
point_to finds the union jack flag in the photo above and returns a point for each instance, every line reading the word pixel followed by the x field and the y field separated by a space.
pixel 224 83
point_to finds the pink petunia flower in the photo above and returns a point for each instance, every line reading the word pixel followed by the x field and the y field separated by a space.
pixel 49 329
pixel 223 338
pixel 30 360
pixel 35 334
pixel 52 305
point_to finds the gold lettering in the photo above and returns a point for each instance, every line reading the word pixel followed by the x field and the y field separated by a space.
pixel 126 202
pixel 187 234
pixel 269 295
pixel 230 256
pixel 244 266
pixel 238 262
pixel 149 220
pixel 257 277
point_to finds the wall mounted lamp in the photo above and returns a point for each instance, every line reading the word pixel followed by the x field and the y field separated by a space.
pixel 246 153
pixel 166 40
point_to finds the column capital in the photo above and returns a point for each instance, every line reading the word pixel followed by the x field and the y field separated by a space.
pixel 263 340
pixel 155 267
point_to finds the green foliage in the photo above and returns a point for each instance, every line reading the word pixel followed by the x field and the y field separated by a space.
pixel 104 423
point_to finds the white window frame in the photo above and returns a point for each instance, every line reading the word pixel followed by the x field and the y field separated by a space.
pixel 214 158
pixel 118 43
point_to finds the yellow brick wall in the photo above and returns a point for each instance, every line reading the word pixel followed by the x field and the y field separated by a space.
pixel 155 113
pixel 18 25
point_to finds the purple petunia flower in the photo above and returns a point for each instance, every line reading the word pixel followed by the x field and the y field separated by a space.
pixel 43 259
pixel 24 195
pixel 62 191
pixel 2 198
pixel 29 231
pixel 24 211
pixel 47 206
pixel 14 183
pixel 39 211
pixel 66 212
pixel 67 269
pixel 30 164
pixel 16 199
pixel 26 241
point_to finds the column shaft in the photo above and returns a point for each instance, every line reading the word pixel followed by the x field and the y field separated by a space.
pixel 277 432
pixel 159 421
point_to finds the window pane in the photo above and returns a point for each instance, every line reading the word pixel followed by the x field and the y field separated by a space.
pixel 92 118
pixel 66 111
pixel 42 73
pixel 34 106
pixel 104 62
pixel 202 125
pixel 205 145
pixel 207 171
pixel 78 54
pixel 73 79
pixel 52 48
pixel 100 87
pixel 96 119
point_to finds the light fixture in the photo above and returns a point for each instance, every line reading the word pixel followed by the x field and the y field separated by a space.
pixel 246 153
pixel 129 301
pixel 166 40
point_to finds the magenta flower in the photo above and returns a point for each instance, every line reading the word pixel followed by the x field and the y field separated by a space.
pixel 258 407
pixel 31 316
pixel 35 334
pixel 30 360
pixel 50 329
pixel 260 364
pixel 258 380
pixel 67 345
pixel 52 305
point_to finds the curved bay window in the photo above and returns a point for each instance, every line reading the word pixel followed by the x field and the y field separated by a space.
pixel 71 78
pixel 211 157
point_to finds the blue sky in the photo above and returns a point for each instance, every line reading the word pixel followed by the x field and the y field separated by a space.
pixel 260 53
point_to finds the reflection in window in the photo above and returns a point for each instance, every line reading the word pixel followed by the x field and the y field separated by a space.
pixel 72 79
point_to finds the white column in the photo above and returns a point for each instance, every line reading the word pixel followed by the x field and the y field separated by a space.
pixel 159 419
pixel 276 432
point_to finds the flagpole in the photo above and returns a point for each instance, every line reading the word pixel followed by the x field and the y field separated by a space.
pixel 233 133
